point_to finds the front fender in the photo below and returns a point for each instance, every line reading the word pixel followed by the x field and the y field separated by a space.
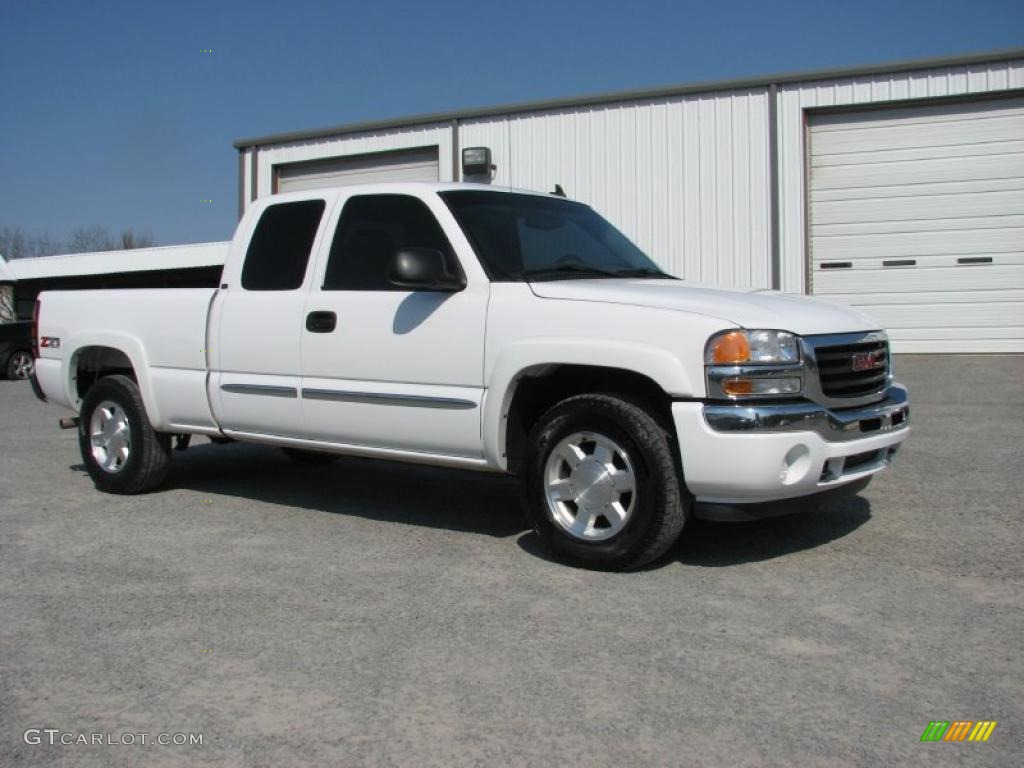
pixel 656 363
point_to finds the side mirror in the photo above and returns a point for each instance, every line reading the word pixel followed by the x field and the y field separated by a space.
pixel 423 269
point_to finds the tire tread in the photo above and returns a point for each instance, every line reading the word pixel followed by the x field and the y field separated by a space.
pixel 671 511
pixel 154 449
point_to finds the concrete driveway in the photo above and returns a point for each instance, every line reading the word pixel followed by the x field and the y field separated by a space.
pixel 376 614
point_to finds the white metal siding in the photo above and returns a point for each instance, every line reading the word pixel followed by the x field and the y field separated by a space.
pixel 439 135
pixel 403 165
pixel 245 179
pixel 794 99
pixel 903 196
pixel 686 177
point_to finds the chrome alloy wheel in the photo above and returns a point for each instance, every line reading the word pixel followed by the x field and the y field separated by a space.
pixel 21 365
pixel 590 486
pixel 111 436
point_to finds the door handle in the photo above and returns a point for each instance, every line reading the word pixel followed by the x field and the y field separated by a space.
pixel 321 322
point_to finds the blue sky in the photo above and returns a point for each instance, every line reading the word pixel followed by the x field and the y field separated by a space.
pixel 112 115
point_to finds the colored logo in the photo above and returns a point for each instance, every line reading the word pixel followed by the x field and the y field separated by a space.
pixel 867 361
pixel 958 730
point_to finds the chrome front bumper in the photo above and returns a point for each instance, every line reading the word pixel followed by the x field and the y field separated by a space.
pixel 736 453
pixel 832 425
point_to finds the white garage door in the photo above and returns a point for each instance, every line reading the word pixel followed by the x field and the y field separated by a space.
pixel 917 217
pixel 419 164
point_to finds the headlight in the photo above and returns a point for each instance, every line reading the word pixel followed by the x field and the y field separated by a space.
pixel 753 364
pixel 752 347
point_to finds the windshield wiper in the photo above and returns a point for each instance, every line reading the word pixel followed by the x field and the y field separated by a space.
pixel 567 270
pixel 642 272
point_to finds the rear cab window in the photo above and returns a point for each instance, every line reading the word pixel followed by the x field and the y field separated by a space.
pixel 280 247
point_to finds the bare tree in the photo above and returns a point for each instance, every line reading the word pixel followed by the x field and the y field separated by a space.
pixel 15 244
pixel 131 239
pixel 85 239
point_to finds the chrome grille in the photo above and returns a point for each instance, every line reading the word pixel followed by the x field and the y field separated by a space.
pixel 853 370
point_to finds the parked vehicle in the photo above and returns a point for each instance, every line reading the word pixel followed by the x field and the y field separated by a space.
pixel 466 326
pixel 16 360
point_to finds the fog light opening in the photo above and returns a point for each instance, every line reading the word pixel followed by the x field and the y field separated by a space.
pixel 795 465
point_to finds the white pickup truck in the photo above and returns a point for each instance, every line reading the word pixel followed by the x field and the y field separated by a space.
pixel 467 326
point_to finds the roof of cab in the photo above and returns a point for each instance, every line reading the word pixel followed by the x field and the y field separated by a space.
pixel 398 186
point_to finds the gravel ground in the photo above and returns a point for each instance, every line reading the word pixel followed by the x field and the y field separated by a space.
pixel 378 614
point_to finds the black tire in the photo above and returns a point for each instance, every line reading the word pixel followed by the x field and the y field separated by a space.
pixel 149 455
pixel 20 364
pixel 311 458
pixel 662 504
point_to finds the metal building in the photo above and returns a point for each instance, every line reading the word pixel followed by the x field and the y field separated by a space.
pixel 897 188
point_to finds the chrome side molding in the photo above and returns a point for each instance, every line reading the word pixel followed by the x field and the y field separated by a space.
pixel 374 398
pixel 269 390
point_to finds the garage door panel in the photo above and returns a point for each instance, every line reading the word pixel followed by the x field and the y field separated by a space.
pixel 926 315
pixel 915 114
pixel 896 191
pixel 973 204
pixel 419 164
pixel 945 346
pixel 918 135
pixel 881 156
pixel 952 296
pixel 940 333
pixel 880 175
pixel 897 226
pixel 910 244
pixel 873 282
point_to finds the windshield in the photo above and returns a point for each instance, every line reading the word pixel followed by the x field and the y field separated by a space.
pixel 530 237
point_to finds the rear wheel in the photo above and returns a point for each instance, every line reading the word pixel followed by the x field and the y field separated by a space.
pixel 20 365
pixel 601 483
pixel 122 452
pixel 313 458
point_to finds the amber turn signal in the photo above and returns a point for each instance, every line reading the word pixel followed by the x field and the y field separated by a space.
pixel 731 348
pixel 738 387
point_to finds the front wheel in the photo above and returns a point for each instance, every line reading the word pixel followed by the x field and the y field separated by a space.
pixel 121 451
pixel 601 485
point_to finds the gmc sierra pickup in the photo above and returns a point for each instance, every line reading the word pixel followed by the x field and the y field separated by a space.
pixel 467 326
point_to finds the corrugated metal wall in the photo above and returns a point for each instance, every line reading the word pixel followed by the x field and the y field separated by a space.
pixel 687 176
pixel 794 99
pixel 684 177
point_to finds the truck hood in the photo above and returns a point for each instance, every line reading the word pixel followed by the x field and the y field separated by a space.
pixel 747 309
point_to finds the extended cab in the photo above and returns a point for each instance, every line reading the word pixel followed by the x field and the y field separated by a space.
pixel 467 326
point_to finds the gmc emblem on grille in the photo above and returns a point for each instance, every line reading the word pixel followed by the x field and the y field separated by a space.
pixel 868 361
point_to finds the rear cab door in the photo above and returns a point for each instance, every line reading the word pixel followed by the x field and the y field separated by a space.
pixel 257 319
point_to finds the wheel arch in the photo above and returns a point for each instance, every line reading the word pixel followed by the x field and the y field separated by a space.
pixel 527 381
pixel 89 359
